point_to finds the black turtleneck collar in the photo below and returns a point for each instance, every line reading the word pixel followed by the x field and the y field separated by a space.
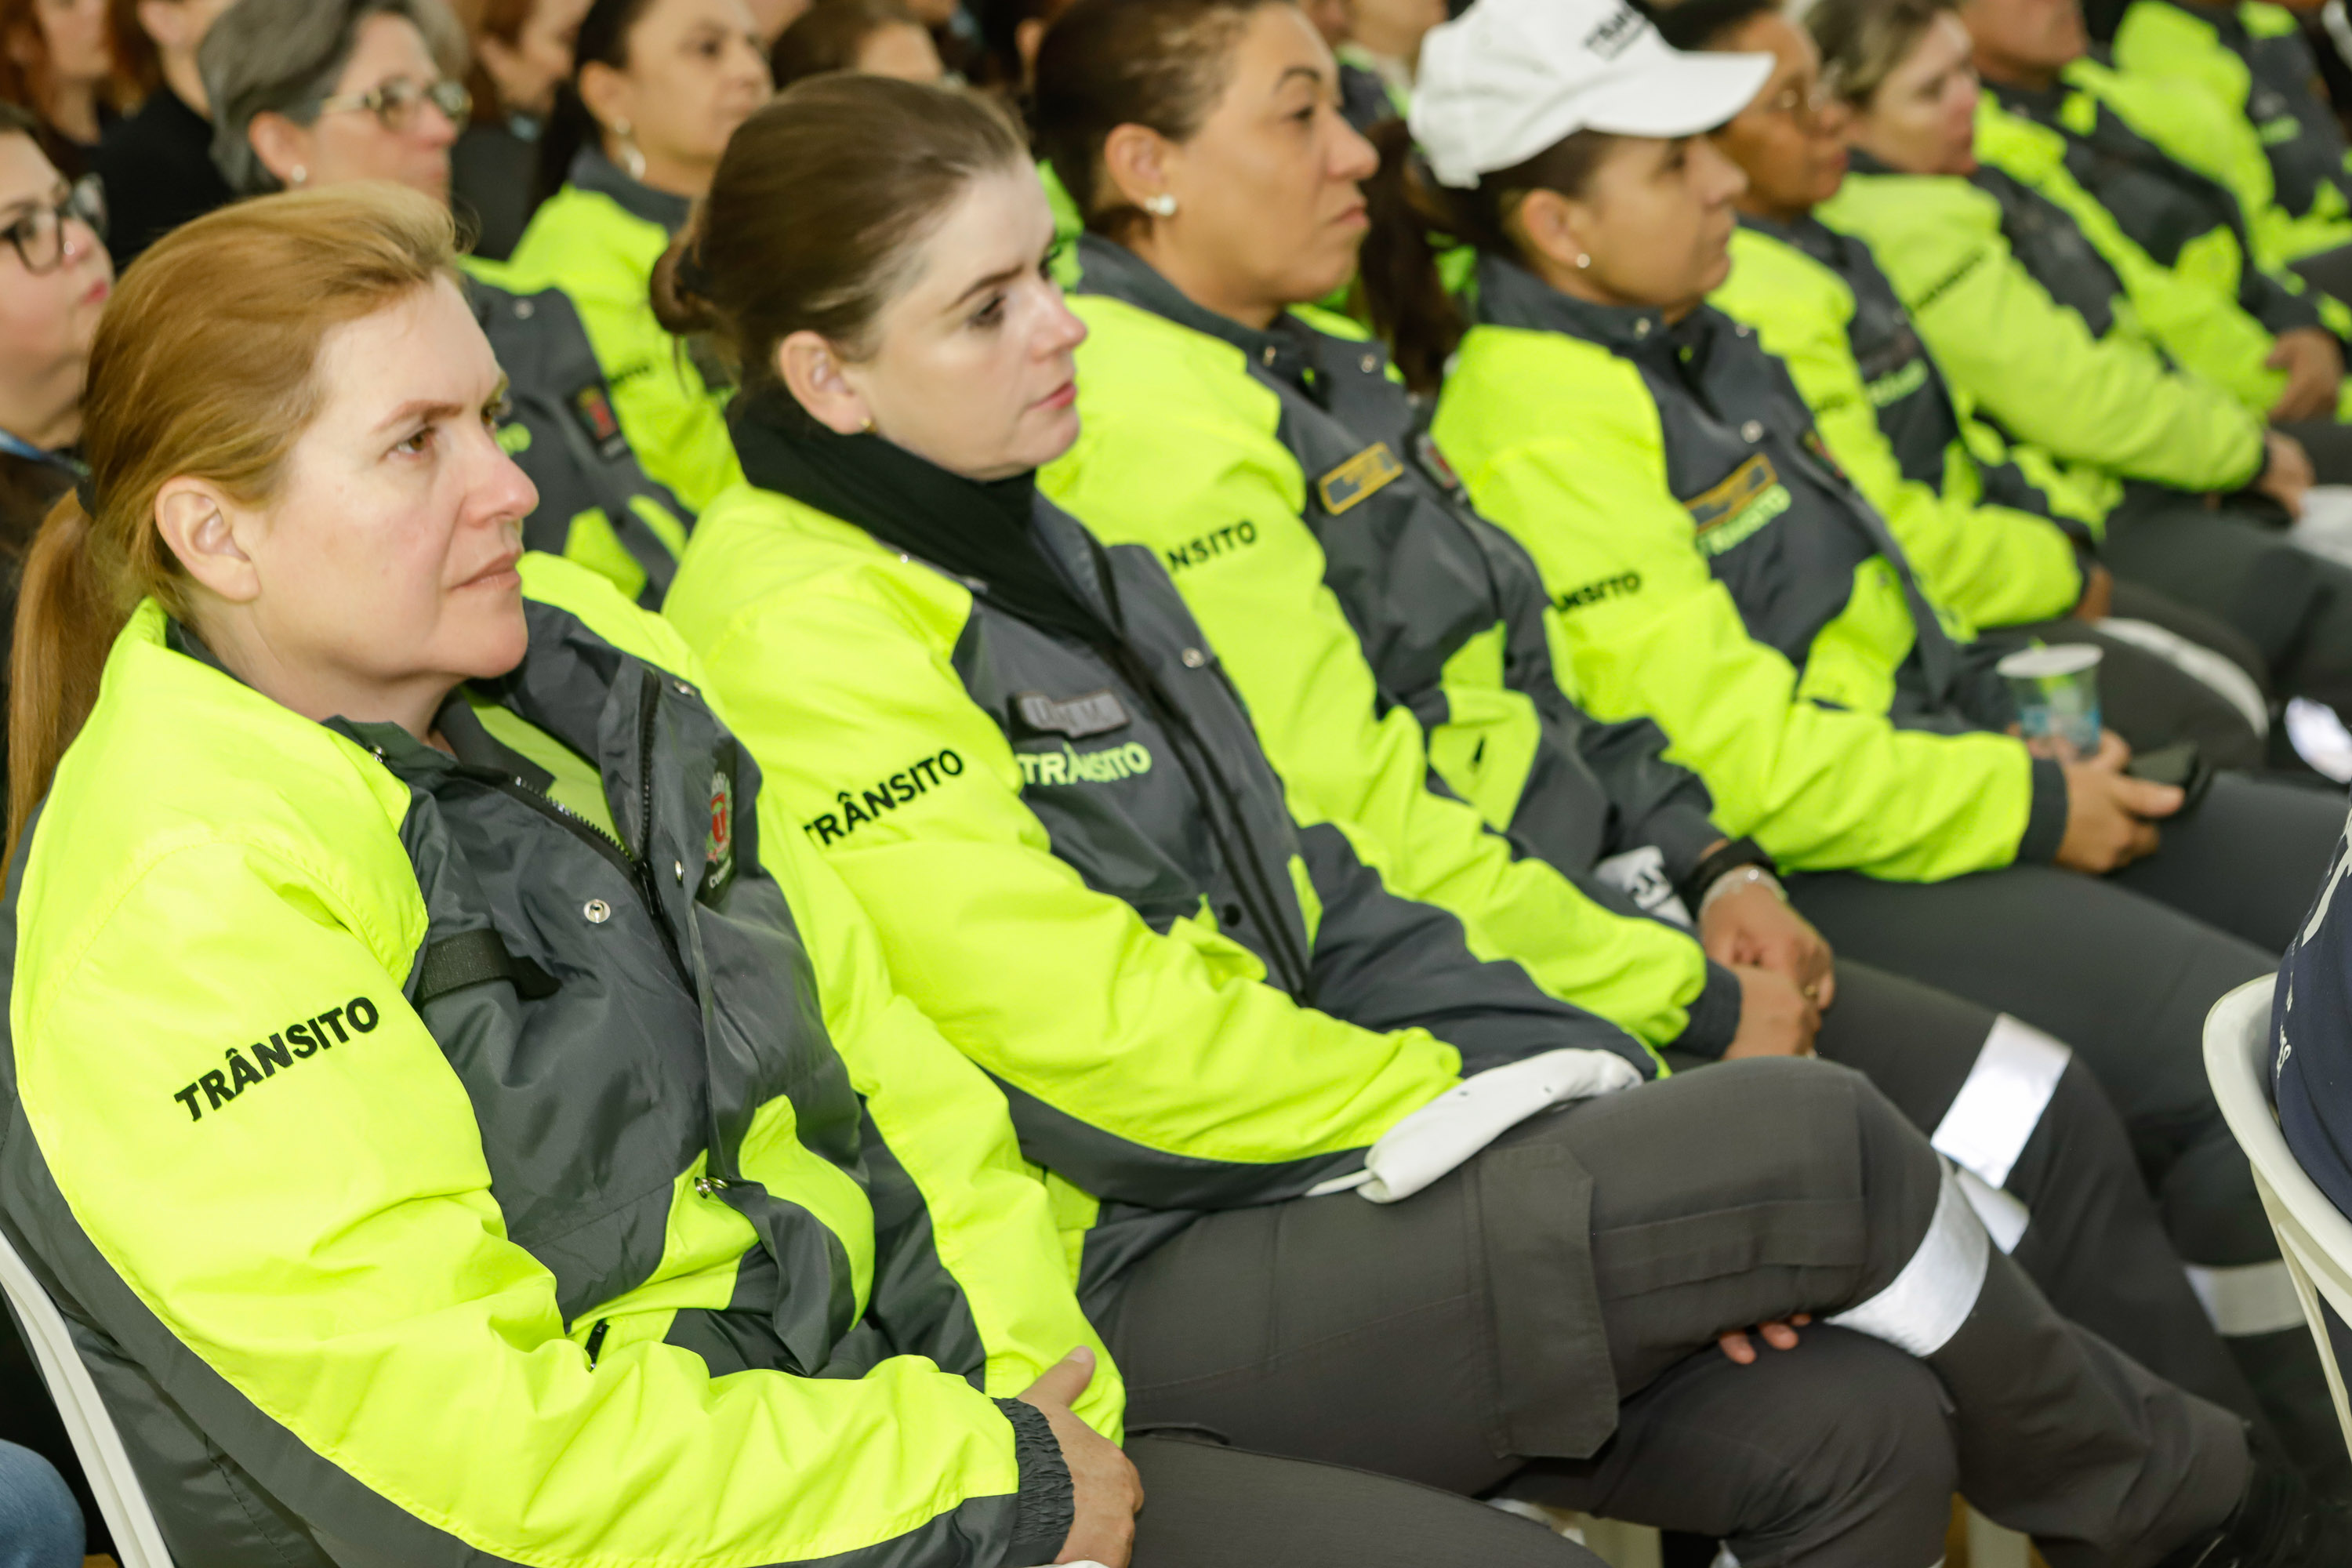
pixel 1286 351
pixel 982 531
pixel 591 171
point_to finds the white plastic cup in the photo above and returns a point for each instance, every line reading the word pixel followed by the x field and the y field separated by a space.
pixel 2057 691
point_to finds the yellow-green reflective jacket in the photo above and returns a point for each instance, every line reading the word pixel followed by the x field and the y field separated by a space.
pixel 1378 633
pixel 1820 304
pixel 597 503
pixel 2176 238
pixel 597 239
pixel 515 1156
pixel 1761 613
pixel 2283 150
pixel 2029 318
pixel 1083 869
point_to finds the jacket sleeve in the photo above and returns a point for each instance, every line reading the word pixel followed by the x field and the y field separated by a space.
pixel 936 1123
pixel 1994 566
pixel 317 1274
pixel 1655 800
pixel 2033 364
pixel 1820 787
pixel 1390 962
pixel 1345 754
pixel 1157 1069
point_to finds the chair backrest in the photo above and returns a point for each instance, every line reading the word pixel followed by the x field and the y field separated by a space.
pixel 138 1543
pixel 2313 1236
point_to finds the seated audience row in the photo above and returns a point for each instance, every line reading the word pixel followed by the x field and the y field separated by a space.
pixel 1209 769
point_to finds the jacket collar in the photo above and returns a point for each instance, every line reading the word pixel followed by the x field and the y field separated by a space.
pixel 591 171
pixel 472 745
pixel 1115 272
pixel 1511 296
pixel 1808 234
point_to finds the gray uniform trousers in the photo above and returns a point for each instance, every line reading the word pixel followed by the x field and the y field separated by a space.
pixel 1206 1505
pixel 2123 970
pixel 1557 1299
pixel 2291 605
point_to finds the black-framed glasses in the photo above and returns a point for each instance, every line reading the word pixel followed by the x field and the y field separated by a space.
pixel 394 104
pixel 38 230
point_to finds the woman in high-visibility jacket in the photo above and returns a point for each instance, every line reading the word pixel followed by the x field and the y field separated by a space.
pixel 1769 622
pixel 2048 329
pixel 1383 634
pixel 1017 747
pixel 598 1198
pixel 378 66
pixel 2006 540
pixel 657 87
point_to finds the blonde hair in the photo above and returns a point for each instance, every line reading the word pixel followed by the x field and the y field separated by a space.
pixel 203 367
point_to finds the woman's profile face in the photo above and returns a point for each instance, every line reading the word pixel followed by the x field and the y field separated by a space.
pixel 46 318
pixel 529 70
pixel 1790 140
pixel 696 69
pixel 73 36
pixel 387 561
pixel 1922 119
pixel 973 364
pixel 1657 220
pixel 1269 199
pixel 411 148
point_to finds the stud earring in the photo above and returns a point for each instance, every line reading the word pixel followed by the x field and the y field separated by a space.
pixel 633 157
pixel 1162 206
pixel 866 428
pixel 299 175
pixel 1582 261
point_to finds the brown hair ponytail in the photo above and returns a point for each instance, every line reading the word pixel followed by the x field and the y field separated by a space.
pixel 1414 220
pixel 219 389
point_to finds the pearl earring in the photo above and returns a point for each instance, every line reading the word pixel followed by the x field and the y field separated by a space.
pixel 299 175
pixel 633 157
pixel 1582 260
pixel 1162 206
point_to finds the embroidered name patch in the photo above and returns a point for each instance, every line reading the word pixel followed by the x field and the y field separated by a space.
pixel 1095 713
pixel 1731 512
pixel 1359 476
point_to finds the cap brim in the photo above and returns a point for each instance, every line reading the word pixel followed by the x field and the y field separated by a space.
pixel 1676 94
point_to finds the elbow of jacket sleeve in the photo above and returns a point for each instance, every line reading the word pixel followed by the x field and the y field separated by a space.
pixel 1714 1015
pixel 1048 1500
pixel 2045 819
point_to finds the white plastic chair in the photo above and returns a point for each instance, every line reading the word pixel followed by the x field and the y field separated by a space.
pixel 138 1543
pixel 2313 1236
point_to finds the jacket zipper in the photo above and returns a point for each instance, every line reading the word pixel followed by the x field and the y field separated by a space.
pixel 648 697
pixel 603 844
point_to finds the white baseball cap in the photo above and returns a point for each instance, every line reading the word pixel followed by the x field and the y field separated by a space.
pixel 1509 78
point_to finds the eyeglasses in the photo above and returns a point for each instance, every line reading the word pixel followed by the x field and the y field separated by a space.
pixel 395 103
pixel 39 233
pixel 1804 105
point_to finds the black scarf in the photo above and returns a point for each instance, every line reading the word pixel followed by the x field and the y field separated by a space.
pixel 981 531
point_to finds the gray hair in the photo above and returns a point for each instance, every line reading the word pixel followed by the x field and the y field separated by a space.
pixel 284 56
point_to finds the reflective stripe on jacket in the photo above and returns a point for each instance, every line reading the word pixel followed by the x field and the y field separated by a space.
pixel 2253 62
pixel 1769 622
pixel 1083 868
pixel 1378 631
pixel 2176 238
pixel 2034 325
pixel 1820 304
pixel 596 505
pixel 471 1177
pixel 597 239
